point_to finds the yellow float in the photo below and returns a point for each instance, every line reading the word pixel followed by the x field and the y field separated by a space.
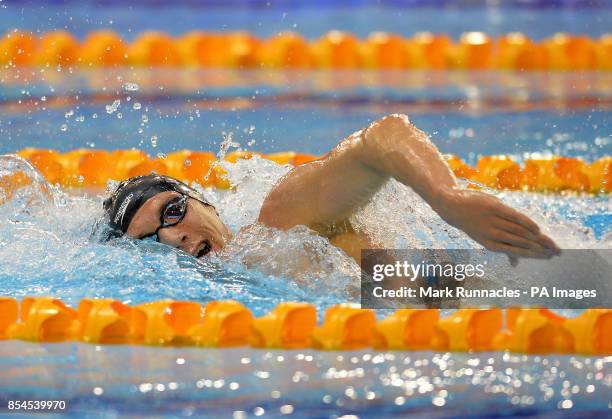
pixel 293 325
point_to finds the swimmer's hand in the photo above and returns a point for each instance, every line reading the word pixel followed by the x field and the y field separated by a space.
pixel 495 225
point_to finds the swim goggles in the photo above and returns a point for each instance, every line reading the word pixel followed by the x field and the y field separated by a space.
pixel 173 213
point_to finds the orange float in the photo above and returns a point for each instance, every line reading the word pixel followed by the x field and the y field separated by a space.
pixel 284 157
pixel 580 52
pixel 203 49
pixel 285 50
pixel 220 178
pixel 432 51
pixel 498 172
pixel 148 167
pixel 9 310
pixel 86 167
pixel 301 158
pixel 345 327
pixel 539 175
pixel 515 51
pixel 125 160
pixel 406 329
pixel 226 323
pixel 474 51
pixel 170 322
pixel 460 168
pixel 103 49
pixel 57 48
pixel 337 49
pixel 44 319
pixel 243 49
pixel 386 51
pixel 289 325
pixel 600 175
pixel 603 50
pixel 70 163
pixel 17 48
pixel 208 49
pixel 95 168
pixel 569 52
pixel 175 164
pixel 592 331
pixel 110 321
pixel 47 162
pixel 467 330
pixel 153 49
pixel 572 173
pixel 197 166
pixel 534 331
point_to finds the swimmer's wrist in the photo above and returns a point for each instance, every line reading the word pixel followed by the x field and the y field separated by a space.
pixel 444 199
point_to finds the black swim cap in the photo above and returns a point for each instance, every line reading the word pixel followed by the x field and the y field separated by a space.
pixel 132 193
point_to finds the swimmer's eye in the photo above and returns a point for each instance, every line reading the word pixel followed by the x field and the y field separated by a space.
pixel 174 211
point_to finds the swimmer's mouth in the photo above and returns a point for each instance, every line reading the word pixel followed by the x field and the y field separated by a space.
pixel 205 249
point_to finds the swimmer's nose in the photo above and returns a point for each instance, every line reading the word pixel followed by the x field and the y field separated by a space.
pixel 181 241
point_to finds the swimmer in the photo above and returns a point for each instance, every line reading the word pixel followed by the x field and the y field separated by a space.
pixel 323 194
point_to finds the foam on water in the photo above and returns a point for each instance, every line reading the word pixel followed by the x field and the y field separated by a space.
pixel 50 243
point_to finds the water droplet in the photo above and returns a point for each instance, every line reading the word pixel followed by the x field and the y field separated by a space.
pixel 154 141
pixel 113 107
pixel 131 87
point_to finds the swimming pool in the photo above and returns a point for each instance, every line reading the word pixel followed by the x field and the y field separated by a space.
pixel 262 273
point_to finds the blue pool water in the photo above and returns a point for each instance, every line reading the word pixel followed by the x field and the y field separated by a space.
pixel 312 19
pixel 466 114
pixel 100 381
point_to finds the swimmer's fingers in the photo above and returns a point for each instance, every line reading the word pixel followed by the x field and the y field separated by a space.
pixel 519 230
pixel 514 251
pixel 518 241
pixel 516 217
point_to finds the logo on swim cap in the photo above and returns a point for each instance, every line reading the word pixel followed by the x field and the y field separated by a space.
pixel 122 208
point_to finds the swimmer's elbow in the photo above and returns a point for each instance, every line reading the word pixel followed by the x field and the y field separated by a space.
pixel 386 136
pixel 392 122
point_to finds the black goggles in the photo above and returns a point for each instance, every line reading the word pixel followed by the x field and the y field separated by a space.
pixel 173 213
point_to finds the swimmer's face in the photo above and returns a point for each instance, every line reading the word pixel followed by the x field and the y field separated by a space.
pixel 199 232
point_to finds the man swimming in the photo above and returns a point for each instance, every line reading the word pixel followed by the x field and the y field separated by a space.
pixel 324 193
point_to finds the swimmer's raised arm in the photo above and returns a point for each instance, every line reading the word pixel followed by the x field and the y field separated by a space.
pixel 329 190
